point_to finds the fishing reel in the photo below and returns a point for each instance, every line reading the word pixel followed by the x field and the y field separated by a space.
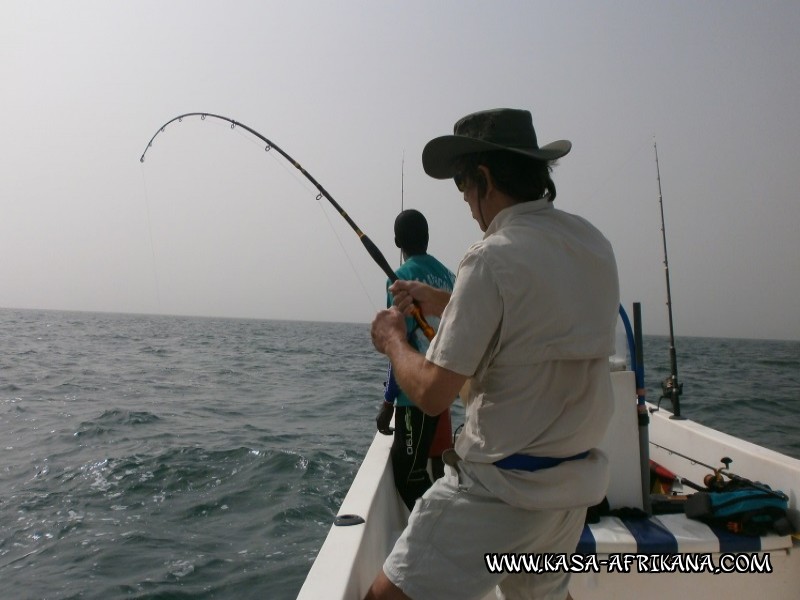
pixel 715 481
pixel 722 480
pixel 670 388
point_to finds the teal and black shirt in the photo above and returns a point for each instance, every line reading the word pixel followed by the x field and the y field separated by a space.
pixel 428 270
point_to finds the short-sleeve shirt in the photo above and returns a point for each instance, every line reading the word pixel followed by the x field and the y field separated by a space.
pixel 427 269
pixel 531 322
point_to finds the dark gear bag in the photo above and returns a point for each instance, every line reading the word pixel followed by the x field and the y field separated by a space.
pixel 745 511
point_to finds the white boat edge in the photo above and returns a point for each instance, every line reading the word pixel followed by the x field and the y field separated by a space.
pixel 351 556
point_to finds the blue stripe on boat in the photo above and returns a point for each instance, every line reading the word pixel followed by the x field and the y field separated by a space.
pixel 652 537
pixel 732 542
pixel 587 544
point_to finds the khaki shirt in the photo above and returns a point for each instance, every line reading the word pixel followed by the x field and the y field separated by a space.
pixel 531 322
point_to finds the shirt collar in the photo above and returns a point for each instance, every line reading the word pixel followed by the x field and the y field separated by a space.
pixel 507 215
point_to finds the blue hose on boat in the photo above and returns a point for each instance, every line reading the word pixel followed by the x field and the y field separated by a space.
pixel 638 369
pixel 643 417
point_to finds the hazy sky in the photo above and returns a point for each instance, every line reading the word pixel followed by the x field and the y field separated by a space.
pixel 211 224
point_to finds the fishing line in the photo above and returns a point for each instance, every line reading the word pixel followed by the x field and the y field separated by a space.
pixel 371 248
pixel 152 244
pixel 347 256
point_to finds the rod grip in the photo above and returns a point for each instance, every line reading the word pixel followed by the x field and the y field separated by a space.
pixel 378 257
pixel 423 324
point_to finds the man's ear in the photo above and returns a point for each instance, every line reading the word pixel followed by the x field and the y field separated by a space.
pixel 484 180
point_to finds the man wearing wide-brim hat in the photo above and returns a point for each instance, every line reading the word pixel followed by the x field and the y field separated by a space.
pixel 525 337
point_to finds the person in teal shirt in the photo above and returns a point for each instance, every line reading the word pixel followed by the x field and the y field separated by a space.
pixel 417 436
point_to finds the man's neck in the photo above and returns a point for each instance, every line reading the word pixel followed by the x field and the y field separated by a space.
pixel 494 203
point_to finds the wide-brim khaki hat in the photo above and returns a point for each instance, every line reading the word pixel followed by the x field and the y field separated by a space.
pixel 496 129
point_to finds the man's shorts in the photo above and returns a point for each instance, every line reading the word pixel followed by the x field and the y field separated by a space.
pixel 441 552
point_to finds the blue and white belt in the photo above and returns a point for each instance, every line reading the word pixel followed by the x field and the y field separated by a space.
pixel 523 462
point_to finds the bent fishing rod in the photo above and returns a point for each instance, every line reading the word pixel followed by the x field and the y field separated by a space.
pixel 373 250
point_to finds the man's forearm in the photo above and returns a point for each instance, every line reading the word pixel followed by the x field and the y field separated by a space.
pixel 430 387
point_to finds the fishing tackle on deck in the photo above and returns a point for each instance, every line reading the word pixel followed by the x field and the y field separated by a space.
pixel 373 250
pixel 716 480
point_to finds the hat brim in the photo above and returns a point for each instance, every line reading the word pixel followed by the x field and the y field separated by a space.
pixel 439 155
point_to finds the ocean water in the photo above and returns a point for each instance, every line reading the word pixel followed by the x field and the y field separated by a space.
pixel 177 457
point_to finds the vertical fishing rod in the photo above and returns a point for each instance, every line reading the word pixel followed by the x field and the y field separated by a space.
pixel 670 387
pixel 373 250
pixel 402 180
pixel 402 191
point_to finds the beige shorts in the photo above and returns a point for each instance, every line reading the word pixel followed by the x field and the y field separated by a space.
pixel 441 553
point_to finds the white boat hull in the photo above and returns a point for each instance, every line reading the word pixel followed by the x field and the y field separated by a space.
pixel 352 556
